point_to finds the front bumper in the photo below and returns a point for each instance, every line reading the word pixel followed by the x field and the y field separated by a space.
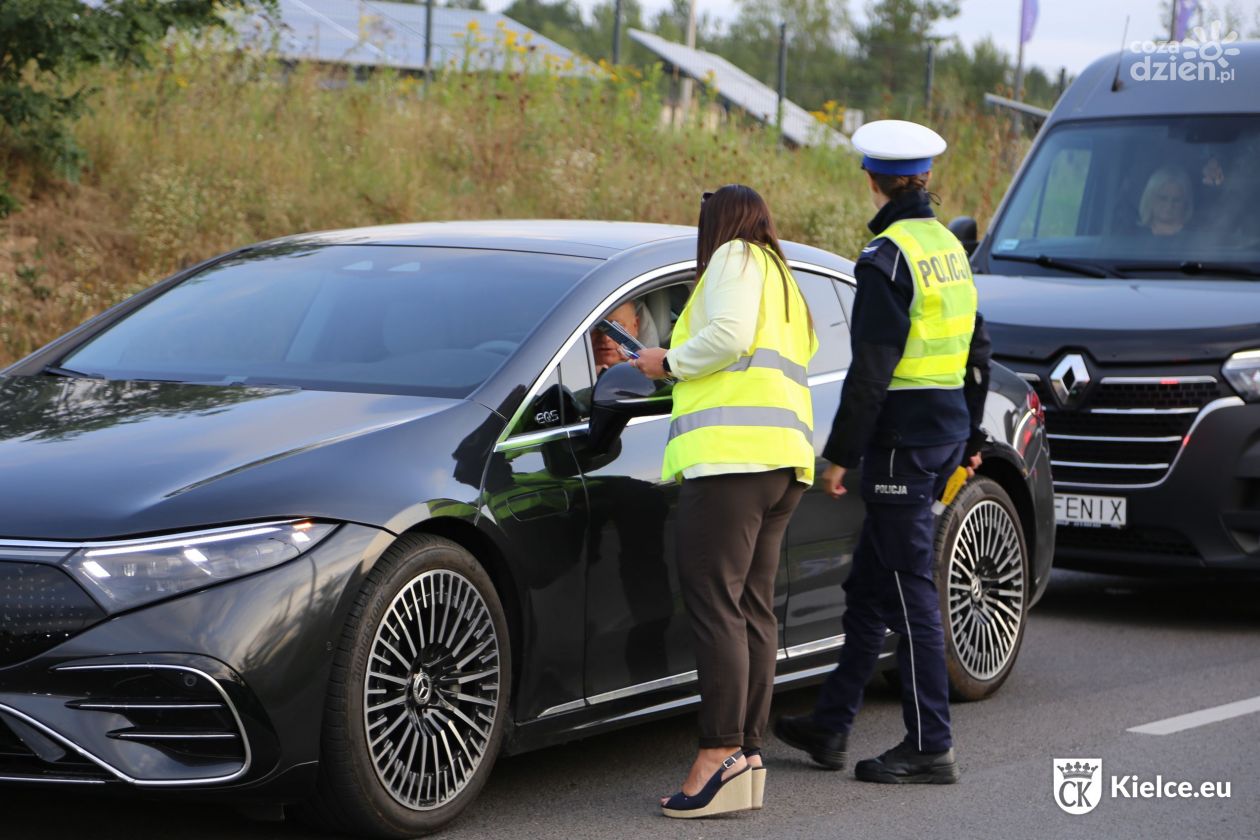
pixel 220 689
pixel 1205 514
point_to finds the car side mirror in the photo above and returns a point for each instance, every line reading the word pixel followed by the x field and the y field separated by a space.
pixel 967 231
pixel 621 393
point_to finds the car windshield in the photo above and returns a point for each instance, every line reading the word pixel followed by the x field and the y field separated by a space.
pixel 379 319
pixel 1138 195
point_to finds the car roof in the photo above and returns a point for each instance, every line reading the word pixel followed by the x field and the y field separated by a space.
pixel 1092 96
pixel 573 237
pixel 570 237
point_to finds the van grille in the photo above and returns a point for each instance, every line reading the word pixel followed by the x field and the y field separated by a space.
pixel 1140 542
pixel 1127 432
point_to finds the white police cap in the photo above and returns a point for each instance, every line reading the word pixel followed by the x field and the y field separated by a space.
pixel 897 147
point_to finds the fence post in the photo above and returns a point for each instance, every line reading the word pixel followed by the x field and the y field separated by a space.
pixel 778 118
pixel 616 45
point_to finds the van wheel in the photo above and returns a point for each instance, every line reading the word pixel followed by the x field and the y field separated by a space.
pixel 982 578
pixel 418 697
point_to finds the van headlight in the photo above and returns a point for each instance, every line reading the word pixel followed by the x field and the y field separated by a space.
pixel 129 573
pixel 1242 370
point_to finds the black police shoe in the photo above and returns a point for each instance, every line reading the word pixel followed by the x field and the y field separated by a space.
pixel 823 745
pixel 905 765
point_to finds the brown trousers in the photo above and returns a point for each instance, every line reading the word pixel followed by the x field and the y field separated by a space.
pixel 730 537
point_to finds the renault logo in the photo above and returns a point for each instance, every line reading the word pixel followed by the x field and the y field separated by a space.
pixel 1069 380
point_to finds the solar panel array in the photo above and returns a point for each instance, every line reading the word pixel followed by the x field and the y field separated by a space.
pixel 736 88
pixel 371 33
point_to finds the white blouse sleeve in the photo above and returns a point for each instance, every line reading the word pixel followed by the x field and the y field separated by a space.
pixel 728 320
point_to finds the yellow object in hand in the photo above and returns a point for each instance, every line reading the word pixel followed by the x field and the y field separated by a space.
pixel 955 483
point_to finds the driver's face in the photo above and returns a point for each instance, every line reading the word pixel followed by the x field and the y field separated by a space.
pixel 1168 205
pixel 606 351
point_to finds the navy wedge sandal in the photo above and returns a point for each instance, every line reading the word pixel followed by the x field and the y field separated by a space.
pixel 717 796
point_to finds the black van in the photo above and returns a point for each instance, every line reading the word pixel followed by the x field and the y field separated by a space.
pixel 1122 279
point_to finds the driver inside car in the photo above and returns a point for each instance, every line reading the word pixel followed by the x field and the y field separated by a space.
pixel 607 352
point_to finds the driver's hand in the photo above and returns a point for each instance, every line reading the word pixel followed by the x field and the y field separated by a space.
pixel 973 464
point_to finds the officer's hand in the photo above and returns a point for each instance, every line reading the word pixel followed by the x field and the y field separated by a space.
pixel 651 362
pixel 833 481
pixel 973 464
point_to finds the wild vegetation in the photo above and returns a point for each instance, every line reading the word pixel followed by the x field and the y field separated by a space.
pixel 208 148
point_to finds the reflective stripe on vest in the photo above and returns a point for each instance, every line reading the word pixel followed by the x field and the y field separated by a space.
pixel 767 357
pixel 738 415
pixel 757 410
pixel 943 311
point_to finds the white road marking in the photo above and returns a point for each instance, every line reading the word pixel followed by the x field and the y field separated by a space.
pixel 1200 718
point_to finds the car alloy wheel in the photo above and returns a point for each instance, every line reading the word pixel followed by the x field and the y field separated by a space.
pixel 431 690
pixel 417 700
pixel 986 589
pixel 982 575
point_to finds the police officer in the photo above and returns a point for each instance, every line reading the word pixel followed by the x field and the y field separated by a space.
pixel 910 415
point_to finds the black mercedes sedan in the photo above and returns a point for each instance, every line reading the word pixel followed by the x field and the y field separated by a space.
pixel 334 520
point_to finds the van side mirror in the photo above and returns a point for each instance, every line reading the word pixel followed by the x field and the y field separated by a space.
pixel 967 231
pixel 621 393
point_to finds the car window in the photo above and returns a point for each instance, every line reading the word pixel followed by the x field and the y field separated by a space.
pixel 823 296
pixel 575 376
pixel 383 319
pixel 649 316
pixel 848 294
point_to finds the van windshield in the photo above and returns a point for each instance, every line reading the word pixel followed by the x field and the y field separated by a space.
pixel 1176 194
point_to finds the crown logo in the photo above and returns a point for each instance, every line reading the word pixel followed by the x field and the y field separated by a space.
pixel 1078 770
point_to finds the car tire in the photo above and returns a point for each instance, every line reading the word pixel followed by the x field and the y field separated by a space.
pixel 982 576
pixel 418 698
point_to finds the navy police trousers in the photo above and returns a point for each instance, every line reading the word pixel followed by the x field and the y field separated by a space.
pixel 891 586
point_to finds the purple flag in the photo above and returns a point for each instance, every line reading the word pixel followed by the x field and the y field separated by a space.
pixel 1028 19
pixel 1185 8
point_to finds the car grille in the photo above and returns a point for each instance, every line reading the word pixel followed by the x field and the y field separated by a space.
pixel 19 760
pixel 40 607
pixel 1128 431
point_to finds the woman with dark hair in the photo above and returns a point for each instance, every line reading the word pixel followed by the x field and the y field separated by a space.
pixel 741 441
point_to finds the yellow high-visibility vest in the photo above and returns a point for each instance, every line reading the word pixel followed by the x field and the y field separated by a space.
pixel 943 311
pixel 757 410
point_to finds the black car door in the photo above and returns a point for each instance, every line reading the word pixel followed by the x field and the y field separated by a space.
pixel 823 531
pixel 534 491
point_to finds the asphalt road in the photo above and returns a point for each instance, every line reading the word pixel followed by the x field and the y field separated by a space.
pixel 1101 655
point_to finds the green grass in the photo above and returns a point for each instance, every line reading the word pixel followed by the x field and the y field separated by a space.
pixel 211 150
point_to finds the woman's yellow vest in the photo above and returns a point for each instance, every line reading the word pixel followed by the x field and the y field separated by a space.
pixel 758 409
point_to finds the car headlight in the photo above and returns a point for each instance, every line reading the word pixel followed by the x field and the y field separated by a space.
pixel 133 572
pixel 1243 372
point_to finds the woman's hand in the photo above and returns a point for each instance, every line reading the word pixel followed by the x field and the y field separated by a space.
pixel 651 362
pixel 832 481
